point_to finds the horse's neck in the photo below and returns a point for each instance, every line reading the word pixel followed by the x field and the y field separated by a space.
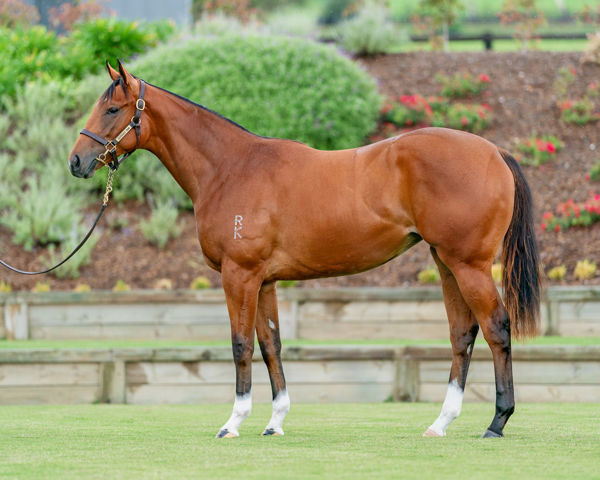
pixel 194 143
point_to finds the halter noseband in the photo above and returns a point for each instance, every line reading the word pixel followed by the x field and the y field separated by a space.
pixel 111 145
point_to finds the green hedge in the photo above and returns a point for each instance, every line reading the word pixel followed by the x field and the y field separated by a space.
pixel 38 54
pixel 273 86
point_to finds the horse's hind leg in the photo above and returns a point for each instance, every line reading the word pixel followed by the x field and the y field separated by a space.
pixel 463 330
pixel 479 292
pixel 267 330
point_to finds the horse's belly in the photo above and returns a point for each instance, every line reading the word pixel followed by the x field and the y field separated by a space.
pixel 343 251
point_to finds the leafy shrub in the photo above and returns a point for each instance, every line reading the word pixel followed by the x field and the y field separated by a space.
pixel 36 53
pixel 472 118
pixel 538 150
pixel 200 283
pixel 41 287
pixel 585 269
pixel 80 259
pixel 571 214
pixel 42 214
pixel 594 173
pixel 369 32
pixel 334 11
pixel 92 43
pixel 557 273
pixel 121 286
pixel 462 84
pixel 162 224
pixel 579 112
pixel 429 275
pixel 408 111
pixel 5 287
pixel 287 283
pixel 270 86
pixel 27 54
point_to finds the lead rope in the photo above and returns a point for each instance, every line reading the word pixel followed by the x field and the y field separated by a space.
pixel 109 188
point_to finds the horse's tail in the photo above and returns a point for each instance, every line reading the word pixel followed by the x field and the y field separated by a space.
pixel 521 278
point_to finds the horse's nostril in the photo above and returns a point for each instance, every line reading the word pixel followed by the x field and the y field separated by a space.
pixel 76 161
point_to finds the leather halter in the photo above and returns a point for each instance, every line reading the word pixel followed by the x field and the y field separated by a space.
pixel 111 145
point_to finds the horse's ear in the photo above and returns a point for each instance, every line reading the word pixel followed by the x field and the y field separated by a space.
pixel 111 71
pixel 125 75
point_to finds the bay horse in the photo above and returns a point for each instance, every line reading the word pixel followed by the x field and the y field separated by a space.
pixel 269 209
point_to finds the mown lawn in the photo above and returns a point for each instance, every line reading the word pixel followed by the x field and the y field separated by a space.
pixel 550 441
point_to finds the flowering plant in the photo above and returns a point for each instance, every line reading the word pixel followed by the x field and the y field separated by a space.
pixel 463 84
pixel 579 112
pixel 539 150
pixel 594 173
pixel 472 118
pixel 407 111
pixel 571 214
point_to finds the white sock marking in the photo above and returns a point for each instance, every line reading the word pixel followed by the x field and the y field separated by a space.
pixel 281 406
pixel 241 409
pixel 450 408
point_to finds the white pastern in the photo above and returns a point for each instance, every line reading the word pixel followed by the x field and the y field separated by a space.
pixel 281 406
pixel 450 408
pixel 241 409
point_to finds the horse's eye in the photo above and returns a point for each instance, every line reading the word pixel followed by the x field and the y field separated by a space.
pixel 112 110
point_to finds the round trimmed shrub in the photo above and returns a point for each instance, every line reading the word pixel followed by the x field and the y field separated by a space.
pixel 273 86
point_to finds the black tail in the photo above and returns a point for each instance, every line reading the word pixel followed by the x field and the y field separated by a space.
pixel 521 279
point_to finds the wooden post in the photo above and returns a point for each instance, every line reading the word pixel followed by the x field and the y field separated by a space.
pixel 112 382
pixel 16 319
pixel 553 318
pixel 406 383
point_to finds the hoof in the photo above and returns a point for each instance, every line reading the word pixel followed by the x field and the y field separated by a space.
pixel 489 434
pixel 271 432
pixel 431 433
pixel 226 434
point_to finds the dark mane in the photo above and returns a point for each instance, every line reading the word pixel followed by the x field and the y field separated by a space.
pixel 110 91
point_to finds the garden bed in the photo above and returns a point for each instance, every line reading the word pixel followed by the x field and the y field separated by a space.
pixel 523 101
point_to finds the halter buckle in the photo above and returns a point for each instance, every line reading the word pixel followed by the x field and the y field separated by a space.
pixel 140 104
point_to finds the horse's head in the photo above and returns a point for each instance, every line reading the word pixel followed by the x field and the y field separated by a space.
pixel 107 131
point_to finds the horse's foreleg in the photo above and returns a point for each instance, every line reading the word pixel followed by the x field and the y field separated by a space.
pixel 463 330
pixel 241 290
pixel 480 293
pixel 267 330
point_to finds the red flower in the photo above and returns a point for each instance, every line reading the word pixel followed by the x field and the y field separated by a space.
pixel 550 147
pixel 464 121
pixel 544 226
pixel 541 146
pixel 557 228
pixel 566 105
pixel 573 71
pixel 548 216
pixel 484 78
pixel 587 177
pixel 486 106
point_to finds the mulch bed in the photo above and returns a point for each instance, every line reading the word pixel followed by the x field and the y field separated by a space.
pixel 522 101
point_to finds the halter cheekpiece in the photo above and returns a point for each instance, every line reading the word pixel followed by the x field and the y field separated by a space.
pixel 111 145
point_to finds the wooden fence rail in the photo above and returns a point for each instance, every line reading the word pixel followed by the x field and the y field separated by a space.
pixel 314 374
pixel 320 314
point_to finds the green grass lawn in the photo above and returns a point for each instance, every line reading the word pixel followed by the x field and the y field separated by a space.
pixel 553 441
